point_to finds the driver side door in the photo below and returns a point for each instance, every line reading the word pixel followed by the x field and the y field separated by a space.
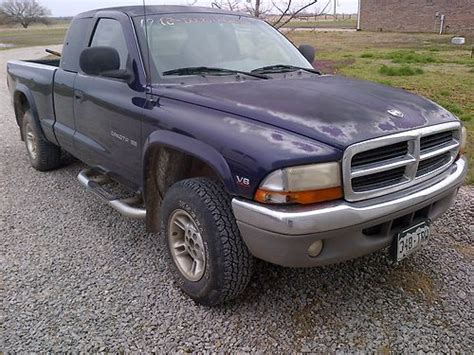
pixel 107 111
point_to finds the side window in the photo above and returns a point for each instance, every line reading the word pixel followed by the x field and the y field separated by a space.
pixel 109 33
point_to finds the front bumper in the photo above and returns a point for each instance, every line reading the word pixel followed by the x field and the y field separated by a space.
pixel 283 234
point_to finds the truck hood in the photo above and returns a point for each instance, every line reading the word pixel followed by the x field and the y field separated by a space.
pixel 331 109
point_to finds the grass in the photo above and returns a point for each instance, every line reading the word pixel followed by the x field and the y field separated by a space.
pixel 400 71
pixel 410 57
pixel 425 64
pixel 35 35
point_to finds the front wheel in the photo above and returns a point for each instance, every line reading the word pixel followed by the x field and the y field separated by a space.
pixel 211 262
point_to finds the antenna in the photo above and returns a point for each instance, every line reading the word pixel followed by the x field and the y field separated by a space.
pixel 147 46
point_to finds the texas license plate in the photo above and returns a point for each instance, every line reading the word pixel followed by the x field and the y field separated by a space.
pixel 412 239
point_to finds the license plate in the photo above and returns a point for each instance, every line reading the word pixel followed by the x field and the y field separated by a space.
pixel 412 239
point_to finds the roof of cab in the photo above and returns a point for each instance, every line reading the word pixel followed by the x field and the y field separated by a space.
pixel 160 9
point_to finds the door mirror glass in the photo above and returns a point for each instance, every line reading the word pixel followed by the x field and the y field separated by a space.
pixel 97 60
pixel 104 61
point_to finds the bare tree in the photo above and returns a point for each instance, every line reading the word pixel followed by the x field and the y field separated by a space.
pixel 24 12
pixel 3 19
pixel 253 7
pixel 292 9
pixel 258 8
pixel 286 10
pixel 231 5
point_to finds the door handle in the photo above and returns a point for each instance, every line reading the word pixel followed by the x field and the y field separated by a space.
pixel 79 95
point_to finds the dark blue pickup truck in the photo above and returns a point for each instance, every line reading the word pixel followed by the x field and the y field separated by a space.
pixel 231 146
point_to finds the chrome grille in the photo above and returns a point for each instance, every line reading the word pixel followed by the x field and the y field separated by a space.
pixel 391 163
pixel 378 180
pixel 434 140
pixel 383 153
pixel 425 166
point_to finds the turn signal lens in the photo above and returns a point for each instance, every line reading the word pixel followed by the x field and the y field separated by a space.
pixel 304 184
pixel 300 197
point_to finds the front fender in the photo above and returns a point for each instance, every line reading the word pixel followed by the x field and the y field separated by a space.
pixel 192 147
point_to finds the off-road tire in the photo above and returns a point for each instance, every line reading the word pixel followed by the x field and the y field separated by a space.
pixel 47 156
pixel 229 263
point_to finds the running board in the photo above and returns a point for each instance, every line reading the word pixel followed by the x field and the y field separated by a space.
pixel 93 182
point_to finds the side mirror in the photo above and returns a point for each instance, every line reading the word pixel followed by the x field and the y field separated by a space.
pixel 308 52
pixel 103 61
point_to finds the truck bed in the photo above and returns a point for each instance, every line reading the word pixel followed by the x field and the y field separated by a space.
pixel 46 61
pixel 35 78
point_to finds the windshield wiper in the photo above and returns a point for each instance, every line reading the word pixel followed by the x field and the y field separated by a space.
pixel 211 71
pixel 282 68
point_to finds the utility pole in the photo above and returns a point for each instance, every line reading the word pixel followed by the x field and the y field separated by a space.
pixel 358 15
pixel 335 10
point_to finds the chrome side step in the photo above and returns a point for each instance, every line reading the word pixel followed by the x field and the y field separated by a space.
pixel 93 182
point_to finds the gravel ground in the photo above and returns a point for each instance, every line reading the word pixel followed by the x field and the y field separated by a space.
pixel 77 276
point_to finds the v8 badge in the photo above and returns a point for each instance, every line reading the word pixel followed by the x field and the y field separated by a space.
pixel 243 181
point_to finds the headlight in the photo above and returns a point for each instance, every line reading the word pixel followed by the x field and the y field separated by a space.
pixel 302 184
pixel 463 142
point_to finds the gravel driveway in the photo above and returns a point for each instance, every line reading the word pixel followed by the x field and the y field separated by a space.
pixel 75 275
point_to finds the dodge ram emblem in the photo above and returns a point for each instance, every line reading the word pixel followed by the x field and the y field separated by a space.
pixel 396 113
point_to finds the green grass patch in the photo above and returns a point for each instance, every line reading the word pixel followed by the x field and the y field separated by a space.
pixel 466 117
pixel 367 55
pixel 410 57
pixel 384 82
pixel 35 35
pixel 452 107
pixel 400 71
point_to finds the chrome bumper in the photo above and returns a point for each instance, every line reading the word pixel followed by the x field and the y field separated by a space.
pixel 282 234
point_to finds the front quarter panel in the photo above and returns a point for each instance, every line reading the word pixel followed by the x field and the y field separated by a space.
pixel 250 149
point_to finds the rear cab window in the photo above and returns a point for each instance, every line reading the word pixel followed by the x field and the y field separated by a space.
pixel 77 39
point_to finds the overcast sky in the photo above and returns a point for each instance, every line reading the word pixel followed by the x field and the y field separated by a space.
pixel 73 7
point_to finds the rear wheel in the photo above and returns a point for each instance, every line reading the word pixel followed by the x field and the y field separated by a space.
pixel 43 154
pixel 209 258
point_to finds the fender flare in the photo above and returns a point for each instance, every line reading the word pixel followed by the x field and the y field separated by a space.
pixel 192 147
pixel 23 89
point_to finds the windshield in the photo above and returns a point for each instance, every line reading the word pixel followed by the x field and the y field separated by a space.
pixel 214 40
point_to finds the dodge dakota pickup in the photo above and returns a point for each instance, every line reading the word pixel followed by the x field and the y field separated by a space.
pixel 231 146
